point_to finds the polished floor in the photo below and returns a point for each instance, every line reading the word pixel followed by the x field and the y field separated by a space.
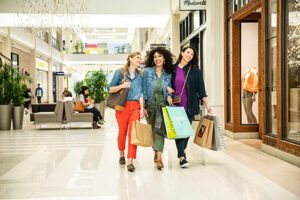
pixel 54 164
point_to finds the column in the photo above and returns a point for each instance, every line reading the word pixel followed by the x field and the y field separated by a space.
pixel 50 78
pixel 6 45
pixel 59 83
pixel 214 70
pixel 175 34
pixel 68 41
pixel 33 68
pixel 74 41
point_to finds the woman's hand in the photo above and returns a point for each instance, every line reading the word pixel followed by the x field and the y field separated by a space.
pixel 170 100
pixel 126 84
pixel 170 90
pixel 143 112
pixel 208 108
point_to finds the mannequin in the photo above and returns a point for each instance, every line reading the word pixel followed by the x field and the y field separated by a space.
pixel 249 90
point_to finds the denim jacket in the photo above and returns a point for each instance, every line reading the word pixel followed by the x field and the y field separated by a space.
pixel 149 83
pixel 135 91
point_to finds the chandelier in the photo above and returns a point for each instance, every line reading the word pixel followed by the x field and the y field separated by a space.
pixel 51 13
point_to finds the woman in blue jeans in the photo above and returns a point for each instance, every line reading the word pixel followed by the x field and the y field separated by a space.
pixel 157 79
pixel 193 91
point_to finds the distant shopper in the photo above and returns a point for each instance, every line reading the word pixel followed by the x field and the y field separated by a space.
pixel 68 97
pixel 97 117
pixel 65 92
pixel 27 98
pixel 128 77
pixel 39 93
pixel 193 91
pixel 157 78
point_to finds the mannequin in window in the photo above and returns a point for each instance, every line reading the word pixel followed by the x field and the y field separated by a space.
pixel 249 90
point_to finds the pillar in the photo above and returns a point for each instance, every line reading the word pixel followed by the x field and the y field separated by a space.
pixel 214 70
pixel 6 45
pixel 175 34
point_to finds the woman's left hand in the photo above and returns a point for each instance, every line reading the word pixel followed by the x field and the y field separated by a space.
pixel 209 110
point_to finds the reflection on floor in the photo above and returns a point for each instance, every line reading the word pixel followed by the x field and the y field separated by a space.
pixel 255 143
pixel 83 164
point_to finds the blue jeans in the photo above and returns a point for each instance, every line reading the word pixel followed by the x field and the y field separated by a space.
pixel 181 144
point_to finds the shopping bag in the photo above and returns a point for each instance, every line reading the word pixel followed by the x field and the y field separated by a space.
pixel 171 134
pixel 141 134
pixel 78 107
pixel 218 143
pixel 180 121
pixel 204 133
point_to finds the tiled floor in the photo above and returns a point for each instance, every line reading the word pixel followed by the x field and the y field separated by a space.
pixel 83 164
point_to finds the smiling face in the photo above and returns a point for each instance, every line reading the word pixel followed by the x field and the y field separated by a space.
pixel 86 92
pixel 158 59
pixel 136 60
pixel 187 55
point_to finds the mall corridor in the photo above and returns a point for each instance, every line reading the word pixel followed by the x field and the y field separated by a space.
pixel 83 164
pixel 77 75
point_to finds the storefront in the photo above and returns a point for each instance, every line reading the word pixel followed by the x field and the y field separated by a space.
pixel 42 77
pixel 262 77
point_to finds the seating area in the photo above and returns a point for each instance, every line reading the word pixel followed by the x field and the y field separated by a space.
pixel 64 115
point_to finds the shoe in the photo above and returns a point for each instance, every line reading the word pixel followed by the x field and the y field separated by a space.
pixel 184 163
pixel 122 161
pixel 100 123
pixel 130 167
pixel 159 164
pixel 155 156
pixel 95 126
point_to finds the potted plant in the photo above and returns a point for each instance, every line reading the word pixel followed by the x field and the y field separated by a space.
pixel 78 87
pixel 6 95
pixel 97 83
pixel 19 87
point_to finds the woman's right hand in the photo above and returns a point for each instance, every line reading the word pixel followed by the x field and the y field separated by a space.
pixel 126 84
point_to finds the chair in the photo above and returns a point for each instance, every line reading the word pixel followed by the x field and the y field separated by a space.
pixel 50 117
pixel 71 116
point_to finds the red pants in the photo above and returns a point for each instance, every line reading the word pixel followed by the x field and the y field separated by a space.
pixel 125 119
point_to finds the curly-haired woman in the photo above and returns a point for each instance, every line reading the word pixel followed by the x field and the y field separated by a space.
pixel 156 81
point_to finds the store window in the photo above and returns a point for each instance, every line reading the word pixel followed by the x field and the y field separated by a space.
pixel 196 20
pixel 293 68
pixel 42 77
pixel 15 59
pixel 229 62
pixel 249 73
pixel 271 64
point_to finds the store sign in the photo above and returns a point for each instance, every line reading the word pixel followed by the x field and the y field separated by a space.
pixel 41 64
pixel 185 5
pixel 60 73
pixel 153 46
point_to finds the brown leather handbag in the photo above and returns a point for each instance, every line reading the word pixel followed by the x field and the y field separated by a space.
pixel 78 107
pixel 118 99
pixel 177 99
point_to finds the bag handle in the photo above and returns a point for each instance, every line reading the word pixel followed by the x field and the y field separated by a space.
pixel 185 81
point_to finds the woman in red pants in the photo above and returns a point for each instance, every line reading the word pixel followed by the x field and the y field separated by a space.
pixel 128 77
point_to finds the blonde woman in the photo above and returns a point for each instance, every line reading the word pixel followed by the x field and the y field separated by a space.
pixel 133 80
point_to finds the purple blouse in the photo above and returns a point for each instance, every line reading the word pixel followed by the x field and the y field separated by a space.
pixel 179 81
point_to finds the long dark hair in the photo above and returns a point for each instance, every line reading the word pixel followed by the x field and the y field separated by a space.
pixel 83 88
pixel 168 64
pixel 194 62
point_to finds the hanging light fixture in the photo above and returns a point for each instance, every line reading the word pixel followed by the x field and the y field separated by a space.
pixel 43 14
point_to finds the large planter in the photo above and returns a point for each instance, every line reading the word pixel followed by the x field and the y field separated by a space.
pixel 5 119
pixel 101 107
pixel 18 113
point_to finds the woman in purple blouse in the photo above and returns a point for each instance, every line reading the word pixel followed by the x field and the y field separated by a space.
pixel 193 91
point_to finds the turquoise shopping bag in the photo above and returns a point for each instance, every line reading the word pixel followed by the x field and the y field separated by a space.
pixel 180 122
